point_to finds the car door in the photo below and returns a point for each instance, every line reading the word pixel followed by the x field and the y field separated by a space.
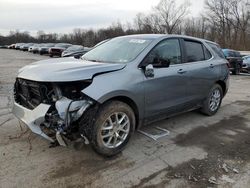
pixel 165 92
pixel 203 70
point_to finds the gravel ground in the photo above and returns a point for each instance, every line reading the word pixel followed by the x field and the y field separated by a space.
pixel 200 151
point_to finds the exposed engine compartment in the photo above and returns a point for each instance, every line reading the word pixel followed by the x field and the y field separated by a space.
pixel 67 105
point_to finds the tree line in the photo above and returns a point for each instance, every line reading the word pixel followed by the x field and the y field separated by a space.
pixel 226 22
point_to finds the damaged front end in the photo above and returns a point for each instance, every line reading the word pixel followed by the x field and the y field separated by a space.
pixel 53 110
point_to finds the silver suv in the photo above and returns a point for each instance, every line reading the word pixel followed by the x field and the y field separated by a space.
pixel 119 86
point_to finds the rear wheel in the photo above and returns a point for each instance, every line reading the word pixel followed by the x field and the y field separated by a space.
pixel 213 101
pixel 112 129
pixel 236 70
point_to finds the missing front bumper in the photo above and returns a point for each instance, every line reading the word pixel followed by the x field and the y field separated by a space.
pixel 55 127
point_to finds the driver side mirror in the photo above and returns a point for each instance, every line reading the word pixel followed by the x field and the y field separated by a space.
pixel 149 71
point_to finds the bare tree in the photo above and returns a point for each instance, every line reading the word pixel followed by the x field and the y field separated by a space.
pixel 230 19
pixel 240 10
pixel 169 16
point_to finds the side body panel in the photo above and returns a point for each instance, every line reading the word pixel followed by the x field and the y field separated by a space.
pixel 123 83
pixel 165 93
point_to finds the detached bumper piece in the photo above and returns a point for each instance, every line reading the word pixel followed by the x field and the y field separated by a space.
pixel 67 112
pixel 33 118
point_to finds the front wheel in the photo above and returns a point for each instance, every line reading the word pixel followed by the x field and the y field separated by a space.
pixel 213 101
pixel 112 129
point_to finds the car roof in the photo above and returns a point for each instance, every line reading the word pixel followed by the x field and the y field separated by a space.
pixel 157 36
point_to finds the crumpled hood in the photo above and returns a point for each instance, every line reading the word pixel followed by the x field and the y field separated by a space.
pixel 65 70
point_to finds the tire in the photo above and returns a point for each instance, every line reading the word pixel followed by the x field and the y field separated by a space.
pixel 105 130
pixel 215 94
pixel 51 55
pixel 236 70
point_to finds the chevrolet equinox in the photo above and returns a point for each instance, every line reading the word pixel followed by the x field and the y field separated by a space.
pixel 118 86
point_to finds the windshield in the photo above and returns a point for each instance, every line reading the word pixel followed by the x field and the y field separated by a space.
pixel 118 50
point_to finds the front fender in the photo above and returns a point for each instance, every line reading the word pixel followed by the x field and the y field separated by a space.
pixel 123 83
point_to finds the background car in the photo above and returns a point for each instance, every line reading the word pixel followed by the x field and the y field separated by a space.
pixel 44 49
pixel 12 46
pixel 58 49
pixel 235 60
pixel 35 48
pixel 26 46
pixel 75 51
pixel 30 49
pixel 3 46
pixel 246 64
pixel 18 45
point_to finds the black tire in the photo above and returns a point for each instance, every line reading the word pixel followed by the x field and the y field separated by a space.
pixel 106 111
pixel 51 55
pixel 206 108
pixel 236 70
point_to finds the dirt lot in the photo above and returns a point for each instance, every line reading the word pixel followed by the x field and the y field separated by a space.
pixel 199 148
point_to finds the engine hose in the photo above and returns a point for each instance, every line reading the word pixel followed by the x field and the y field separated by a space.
pixel 66 122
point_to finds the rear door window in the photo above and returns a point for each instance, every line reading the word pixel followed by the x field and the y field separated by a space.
pixel 194 51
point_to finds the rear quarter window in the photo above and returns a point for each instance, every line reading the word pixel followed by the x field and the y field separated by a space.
pixel 207 53
pixel 216 48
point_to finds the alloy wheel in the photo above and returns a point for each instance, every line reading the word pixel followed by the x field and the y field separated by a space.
pixel 215 100
pixel 115 130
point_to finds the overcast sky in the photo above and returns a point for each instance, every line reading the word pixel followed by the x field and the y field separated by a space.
pixel 62 16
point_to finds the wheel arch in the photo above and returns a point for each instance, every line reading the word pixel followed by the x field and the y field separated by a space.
pixel 223 86
pixel 131 103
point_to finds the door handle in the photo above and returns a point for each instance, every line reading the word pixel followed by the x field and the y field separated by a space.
pixel 181 71
pixel 211 66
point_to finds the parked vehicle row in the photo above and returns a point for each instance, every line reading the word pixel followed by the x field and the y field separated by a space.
pixel 51 49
